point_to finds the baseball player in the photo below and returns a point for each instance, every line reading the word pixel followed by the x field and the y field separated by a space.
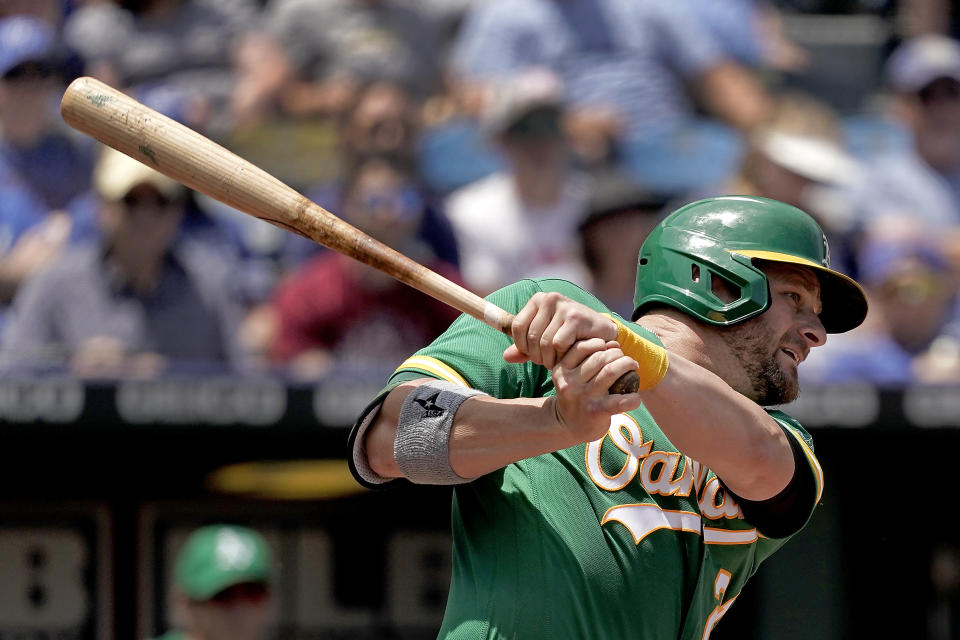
pixel 222 585
pixel 580 514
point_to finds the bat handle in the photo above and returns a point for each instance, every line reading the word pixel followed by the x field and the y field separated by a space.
pixel 627 383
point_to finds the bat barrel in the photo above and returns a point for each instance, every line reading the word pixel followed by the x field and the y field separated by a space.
pixel 119 121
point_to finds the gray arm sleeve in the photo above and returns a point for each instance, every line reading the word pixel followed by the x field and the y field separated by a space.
pixel 422 444
pixel 361 464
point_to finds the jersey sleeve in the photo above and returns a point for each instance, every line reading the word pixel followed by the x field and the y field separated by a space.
pixel 803 438
pixel 471 354
pixel 783 516
pixel 468 353
pixel 780 518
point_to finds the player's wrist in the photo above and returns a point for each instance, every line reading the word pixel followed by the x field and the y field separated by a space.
pixel 558 424
pixel 652 359
pixel 570 431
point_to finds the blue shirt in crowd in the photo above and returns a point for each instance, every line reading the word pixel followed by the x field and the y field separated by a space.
pixel 634 55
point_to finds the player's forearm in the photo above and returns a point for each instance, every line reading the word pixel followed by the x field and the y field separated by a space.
pixel 490 433
pixel 713 424
pixel 487 433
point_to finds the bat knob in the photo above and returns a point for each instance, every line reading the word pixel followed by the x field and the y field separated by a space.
pixel 627 383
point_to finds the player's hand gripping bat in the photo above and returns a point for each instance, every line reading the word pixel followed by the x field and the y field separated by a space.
pixel 181 153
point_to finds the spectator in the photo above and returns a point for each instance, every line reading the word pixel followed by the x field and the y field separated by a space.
pixel 222 586
pixel 522 222
pixel 924 74
pixel 912 333
pixel 50 11
pixel 337 311
pixel 627 64
pixel 752 33
pixel 43 167
pixel 202 62
pixel 797 157
pixel 382 122
pixel 338 46
pixel 619 216
pixel 135 301
pixel 449 15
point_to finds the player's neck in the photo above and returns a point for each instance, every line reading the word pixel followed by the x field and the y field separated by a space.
pixel 674 331
pixel 684 336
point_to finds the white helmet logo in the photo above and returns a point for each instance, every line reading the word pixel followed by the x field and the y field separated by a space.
pixel 233 550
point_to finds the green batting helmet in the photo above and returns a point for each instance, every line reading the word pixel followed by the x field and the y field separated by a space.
pixel 720 238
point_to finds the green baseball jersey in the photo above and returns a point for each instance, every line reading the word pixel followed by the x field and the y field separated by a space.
pixel 624 537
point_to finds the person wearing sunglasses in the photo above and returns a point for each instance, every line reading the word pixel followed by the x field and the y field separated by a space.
pixel 141 299
pixel 912 334
pixel 222 586
pixel 521 221
pixel 334 312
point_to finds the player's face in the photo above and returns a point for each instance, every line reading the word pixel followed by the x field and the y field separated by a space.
pixel 771 346
pixel 239 613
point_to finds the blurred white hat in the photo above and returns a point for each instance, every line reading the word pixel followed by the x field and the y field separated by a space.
pixel 519 95
pixel 117 173
pixel 813 157
pixel 921 60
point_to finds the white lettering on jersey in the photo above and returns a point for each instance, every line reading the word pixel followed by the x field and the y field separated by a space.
pixel 656 471
pixel 643 519
pixel 727 507
pixel 631 444
pixel 719 590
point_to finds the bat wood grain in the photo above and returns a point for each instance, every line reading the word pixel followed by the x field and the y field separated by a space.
pixel 175 150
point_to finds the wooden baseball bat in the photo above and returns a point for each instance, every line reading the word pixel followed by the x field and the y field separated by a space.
pixel 119 121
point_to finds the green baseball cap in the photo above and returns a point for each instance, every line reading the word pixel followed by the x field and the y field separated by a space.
pixel 219 556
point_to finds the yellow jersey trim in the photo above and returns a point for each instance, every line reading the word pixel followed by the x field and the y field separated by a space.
pixel 812 459
pixel 433 367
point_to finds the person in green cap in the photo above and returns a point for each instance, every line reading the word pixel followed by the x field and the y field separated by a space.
pixel 221 587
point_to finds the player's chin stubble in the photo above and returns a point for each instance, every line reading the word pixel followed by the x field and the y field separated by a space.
pixel 751 344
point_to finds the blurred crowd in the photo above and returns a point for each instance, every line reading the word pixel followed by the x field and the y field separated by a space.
pixel 490 140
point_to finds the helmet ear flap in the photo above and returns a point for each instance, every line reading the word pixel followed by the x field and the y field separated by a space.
pixel 698 275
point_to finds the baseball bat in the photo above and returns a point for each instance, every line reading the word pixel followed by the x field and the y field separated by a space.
pixel 119 121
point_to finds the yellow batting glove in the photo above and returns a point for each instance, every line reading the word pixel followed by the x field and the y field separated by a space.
pixel 651 357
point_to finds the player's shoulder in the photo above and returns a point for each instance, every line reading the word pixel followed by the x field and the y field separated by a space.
pixel 514 296
pixel 584 297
